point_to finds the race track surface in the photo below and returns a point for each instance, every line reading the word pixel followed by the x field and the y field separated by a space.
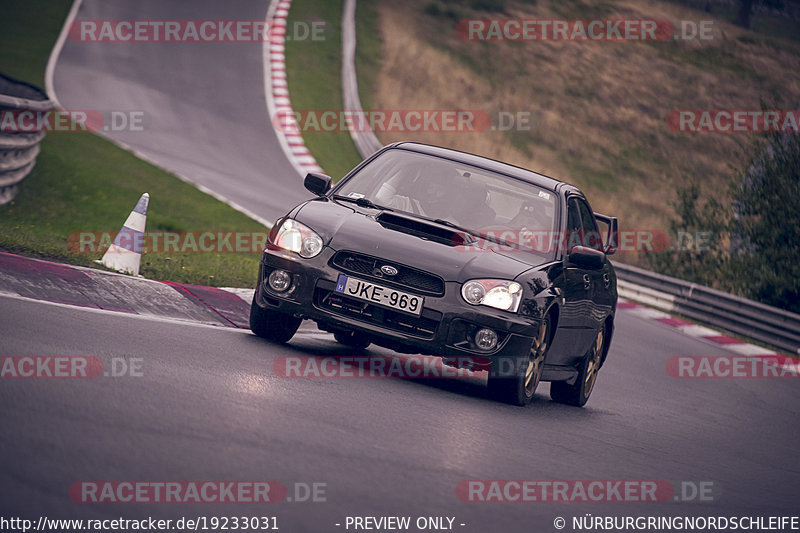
pixel 208 404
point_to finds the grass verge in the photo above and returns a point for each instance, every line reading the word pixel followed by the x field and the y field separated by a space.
pixel 314 73
pixel 598 110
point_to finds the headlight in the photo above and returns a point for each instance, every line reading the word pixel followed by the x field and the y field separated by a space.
pixel 299 238
pixel 496 293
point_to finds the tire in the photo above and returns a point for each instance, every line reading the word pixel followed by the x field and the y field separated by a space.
pixel 578 393
pixel 514 380
pixel 352 339
pixel 272 325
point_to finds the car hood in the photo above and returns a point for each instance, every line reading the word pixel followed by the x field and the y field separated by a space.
pixel 364 230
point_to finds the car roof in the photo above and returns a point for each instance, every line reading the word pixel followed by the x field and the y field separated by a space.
pixel 486 163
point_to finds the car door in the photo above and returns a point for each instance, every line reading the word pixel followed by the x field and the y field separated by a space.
pixel 599 278
pixel 575 325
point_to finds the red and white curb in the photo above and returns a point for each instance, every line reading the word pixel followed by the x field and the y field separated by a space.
pixel 244 294
pixel 690 329
pixel 277 90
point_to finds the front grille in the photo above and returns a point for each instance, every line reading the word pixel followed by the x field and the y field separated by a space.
pixel 407 277
pixel 423 326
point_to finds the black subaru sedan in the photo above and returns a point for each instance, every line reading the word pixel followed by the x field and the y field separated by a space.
pixel 427 250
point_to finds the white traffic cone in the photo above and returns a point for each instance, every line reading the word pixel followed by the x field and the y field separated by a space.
pixel 125 254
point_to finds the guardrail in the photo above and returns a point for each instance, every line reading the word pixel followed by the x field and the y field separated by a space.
pixel 740 316
pixel 18 150
pixel 772 326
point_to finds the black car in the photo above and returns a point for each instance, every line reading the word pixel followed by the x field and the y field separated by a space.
pixel 427 250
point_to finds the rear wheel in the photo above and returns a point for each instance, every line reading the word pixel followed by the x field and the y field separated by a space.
pixel 352 339
pixel 515 380
pixel 272 325
pixel 578 393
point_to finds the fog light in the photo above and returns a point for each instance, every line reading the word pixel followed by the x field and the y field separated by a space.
pixel 486 339
pixel 280 280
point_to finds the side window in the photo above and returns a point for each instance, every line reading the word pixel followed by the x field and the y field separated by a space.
pixel 591 235
pixel 574 234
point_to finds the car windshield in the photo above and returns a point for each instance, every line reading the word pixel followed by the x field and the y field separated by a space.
pixel 505 210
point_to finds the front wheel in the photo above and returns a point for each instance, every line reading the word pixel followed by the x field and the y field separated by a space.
pixel 578 393
pixel 515 380
pixel 272 325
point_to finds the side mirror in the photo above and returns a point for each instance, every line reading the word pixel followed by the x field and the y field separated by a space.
pixel 612 236
pixel 317 183
pixel 586 257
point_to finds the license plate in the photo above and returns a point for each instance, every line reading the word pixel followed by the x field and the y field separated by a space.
pixel 377 294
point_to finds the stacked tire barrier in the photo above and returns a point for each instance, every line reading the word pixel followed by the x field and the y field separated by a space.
pixel 18 149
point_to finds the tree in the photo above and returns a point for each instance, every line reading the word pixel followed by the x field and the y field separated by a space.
pixel 767 220
pixel 743 16
pixel 754 243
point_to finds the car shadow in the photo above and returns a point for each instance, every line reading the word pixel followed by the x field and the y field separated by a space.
pixel 319 356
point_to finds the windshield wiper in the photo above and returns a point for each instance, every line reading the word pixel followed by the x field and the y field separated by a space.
pixel 362 202
pixel 475 233
pixel 449 224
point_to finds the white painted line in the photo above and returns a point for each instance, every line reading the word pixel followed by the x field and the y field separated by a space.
pixel 139 316
pixel 648 312
pixel 56 52
pixel 152 318
pixel 244 294
pixel 698 331
pixel 190 181
pixel 749 349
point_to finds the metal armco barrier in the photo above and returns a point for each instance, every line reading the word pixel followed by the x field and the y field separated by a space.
pixel 740 316
pixel 18 150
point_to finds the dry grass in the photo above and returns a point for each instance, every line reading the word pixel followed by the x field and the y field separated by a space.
pixel 599 109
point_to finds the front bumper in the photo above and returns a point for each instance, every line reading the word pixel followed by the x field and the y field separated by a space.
pixel 444 328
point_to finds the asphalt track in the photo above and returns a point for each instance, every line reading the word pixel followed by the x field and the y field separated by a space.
pixel 209 405
pixel 205 116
